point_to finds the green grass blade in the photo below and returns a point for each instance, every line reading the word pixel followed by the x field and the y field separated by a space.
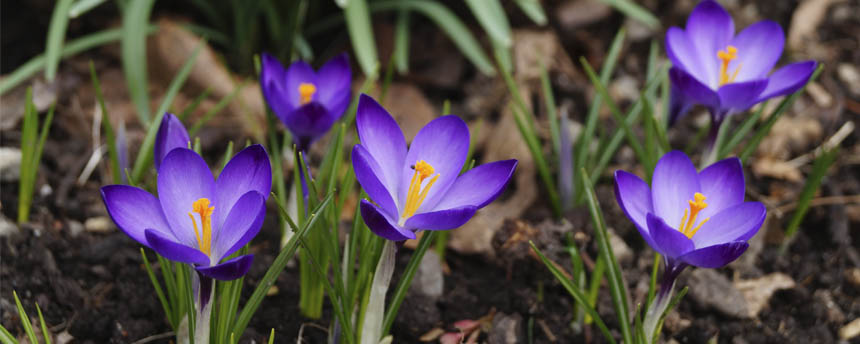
pixel 278 265
pixel 401 42
pixel 614 278
pixel 551 110
pixel 6 337
pixel 25 319
pixel 83 6
pixel 144 155
pixel 406 280
pixel 533 10
pixel 113 154
pixel 819 170
pixel 361 35
pixel 575 292
pixel 450 24
pixel 491 17
pixel 215 109
pixel 56 36
pixel 45 333
pixel 194 104
pixel 133 47
pixel 635 11
pixel 774 116
pixel 741 131
pixel 158 290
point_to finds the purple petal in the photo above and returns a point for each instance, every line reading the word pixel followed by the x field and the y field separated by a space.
pixel 171 134
pixel 788 79
pixel 134 211
pixel 380 225
pixel 443 143
pixel 682 52
pixel 723 185
pixel 241 225
pixel 334 81
pixel 298 73
pixel 183 179
pixel 710 28
pixel 310 121
pixel 737 223
pixel 170 249
pixel 679 103
pixel 249 170
pixel 739 96
pixel 692 90
pixel 669 241
pixel 229 270
pixel 479 186
pixel 716 256
pixel 634 198
pixel 273 83
pixel 441 219
pixel 382 138
pixel 673 185
pixel 759 47
pixel 368 173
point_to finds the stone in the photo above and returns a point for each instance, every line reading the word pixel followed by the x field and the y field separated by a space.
pixel 429 280
pixel 851 330
pixel 622 252
pixel 824 298
pixel 98 224
pixel 575 14
pixel 757 291
pixel 849 75
pixel 7 227
pixel 10 164
pixel 506 329
pixel 853 276
pixel 714 291
pixel 75 228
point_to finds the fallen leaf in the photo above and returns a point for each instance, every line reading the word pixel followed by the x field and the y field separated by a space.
pixel 758 291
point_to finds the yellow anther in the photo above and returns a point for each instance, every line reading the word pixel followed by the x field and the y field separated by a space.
pixel 204 239
pixel 696 205
pixel 726 56
pixel 306 92
pixel 416 194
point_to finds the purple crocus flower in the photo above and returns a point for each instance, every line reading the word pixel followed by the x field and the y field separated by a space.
pixel 419 187
pixel 171 135
pixel 197 219
pixel 307 102
pixel 727 73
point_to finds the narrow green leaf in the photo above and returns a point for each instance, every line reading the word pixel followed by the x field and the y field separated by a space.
pixel 133 47
pixel 194 104
pixel 533 10
pixel 401 42
pixel 361 35
pixel 406 279
pixel 819 170
pixel 56 36
pixel 83 6
pixel 635 11
pixel 6 337
pixel 575 292
pixel 110 138
pixel 741 131
pixel 551 110
pixel 45 333
pixel 491 17
pixel 25 319
pixel 158 290
pixel 216 109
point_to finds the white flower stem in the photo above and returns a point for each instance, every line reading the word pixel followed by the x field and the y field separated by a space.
pixel 371 330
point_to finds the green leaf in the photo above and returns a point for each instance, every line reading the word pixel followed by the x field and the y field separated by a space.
pixel 491 16
pixel 819 170
pixel 56 36
pixel 533 10
pixel 361 35
pixel 25 319
pixel 83 6
pixel 406 279
pixel 106 127
pixel 133 48
pixel 6 337
pixel 401 42
pixel 216 109
pixel 633 10
pixel 158 290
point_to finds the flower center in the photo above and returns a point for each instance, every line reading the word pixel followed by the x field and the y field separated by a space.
pixel 306 92
pixel 416 193
pixel 696 205
pixel 726 56
pixel 202 208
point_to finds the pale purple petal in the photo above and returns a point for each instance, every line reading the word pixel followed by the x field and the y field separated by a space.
pixel 229 270
pixel 134 211
pixel 722 185
pixel 759 47
pixel 788 79
pixel 382 138
pixel 334 81
pixel 673 185
pixel 249 170
pixel 380 225
pixel 273 83
pixel 692 90
pixel 682 52
pixel 634 198
pixel 479 186
pixel 183 179
pixel 737 223
pixel 368 173
pixel 171 134
pixel 299 73
pixel 170 249
pixel 443 143
pixel 710 28
pixel 441 219
pixel 739 96
pixel 241 225
pixel 669 241
pixel 716 256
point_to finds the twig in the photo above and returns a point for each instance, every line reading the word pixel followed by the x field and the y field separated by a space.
pixel 831 142
pixel 155 337
pixel 821 201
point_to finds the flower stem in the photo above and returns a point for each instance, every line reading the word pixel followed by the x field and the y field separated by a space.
pixel 371 330
pixel 657 308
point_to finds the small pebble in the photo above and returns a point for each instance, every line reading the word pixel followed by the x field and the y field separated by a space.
pixel 99 224
pixel 714 291
pixel 75 228
pixel 507 329
pixel 853 276
pixel 849 74
pixel 7 227
pixel 10 164
pixel 851 330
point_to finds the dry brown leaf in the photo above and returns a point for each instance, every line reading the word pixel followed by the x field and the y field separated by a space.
pixel 805 20
pixel 757 292
pixel 771 167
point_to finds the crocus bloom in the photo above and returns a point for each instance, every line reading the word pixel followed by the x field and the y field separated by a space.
pixel 727 73
pixel 196 219
pixel 307 102
pixel 171 134
pixel 419 188
pixel 691 218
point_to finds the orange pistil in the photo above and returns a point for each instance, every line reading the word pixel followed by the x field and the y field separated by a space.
pixel 415 196
pixel 202 208
pixel 726 56
pixel 696 205
pixel 306 92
